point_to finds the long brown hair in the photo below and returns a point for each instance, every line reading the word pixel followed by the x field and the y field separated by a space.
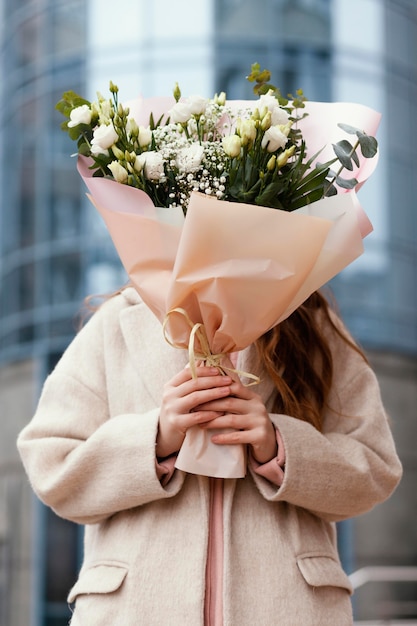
pixel 297 357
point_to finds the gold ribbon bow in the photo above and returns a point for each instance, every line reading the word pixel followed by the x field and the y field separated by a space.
pixel 198 333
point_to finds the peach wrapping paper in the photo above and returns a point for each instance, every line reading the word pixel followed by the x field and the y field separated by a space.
pixel 238 269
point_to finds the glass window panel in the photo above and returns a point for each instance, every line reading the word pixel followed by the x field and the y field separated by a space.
pixel 28 40
pixel 27 287
pixel 8 339
pixel 68 26
pixel 65 203
pixel 65 278
pixel 9 303
pixel 27 205
pixel 26 333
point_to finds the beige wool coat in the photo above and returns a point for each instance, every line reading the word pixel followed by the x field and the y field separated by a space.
pixel 89 453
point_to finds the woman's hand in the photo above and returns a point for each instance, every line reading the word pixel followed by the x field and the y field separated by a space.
pixel 179 409
pixel 244 412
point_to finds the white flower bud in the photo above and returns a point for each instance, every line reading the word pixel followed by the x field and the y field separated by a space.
pixel 145 136
pixel 220 98
pixel 247 131
pixel 232 145
pixel 119 154
pixel 120 174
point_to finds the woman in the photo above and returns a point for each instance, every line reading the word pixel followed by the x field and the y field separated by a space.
pixel 166 547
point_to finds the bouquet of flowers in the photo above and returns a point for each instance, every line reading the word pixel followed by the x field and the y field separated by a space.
pixel 266 222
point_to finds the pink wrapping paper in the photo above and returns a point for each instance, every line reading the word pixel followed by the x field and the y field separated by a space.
pixel 238 269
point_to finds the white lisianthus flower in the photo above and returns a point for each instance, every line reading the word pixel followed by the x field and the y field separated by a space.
pixel 119 172
pixel 274 139
pixel 180 113
pixel 153 165
pixel 197 104
pixel 145 136
pixel 189 159
pixel 80 115
pixel 278 114
pixel 232 145
pixel 280 117
pixel 103 138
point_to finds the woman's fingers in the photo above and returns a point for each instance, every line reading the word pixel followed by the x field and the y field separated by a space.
pixel 181 398
pixel 243 419
pixel 214 401
pixel 192 394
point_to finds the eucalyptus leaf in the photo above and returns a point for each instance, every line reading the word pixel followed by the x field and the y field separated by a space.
pixel 84 149
pixel 344 152
pixel 70 100
pixel 369 145
pixel 346 183
pixel 351 130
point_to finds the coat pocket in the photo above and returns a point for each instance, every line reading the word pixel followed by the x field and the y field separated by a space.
pixel 319 570
pixel 100 578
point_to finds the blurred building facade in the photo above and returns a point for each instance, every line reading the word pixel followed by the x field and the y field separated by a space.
pixel 54 250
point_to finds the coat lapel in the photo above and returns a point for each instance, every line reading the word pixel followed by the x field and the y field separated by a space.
pixel 153 358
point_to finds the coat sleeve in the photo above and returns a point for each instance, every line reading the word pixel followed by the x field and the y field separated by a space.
pixel 350 466
pixel 83 464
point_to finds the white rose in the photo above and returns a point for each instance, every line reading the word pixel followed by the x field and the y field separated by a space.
pixel 273 139
pixel 103 138
pixel 189 159
pixel 119 173
pixel 80 115
pixel 197 104
pixel 232 145
pixel 180 113
pixel 145 136
pixel 154 165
